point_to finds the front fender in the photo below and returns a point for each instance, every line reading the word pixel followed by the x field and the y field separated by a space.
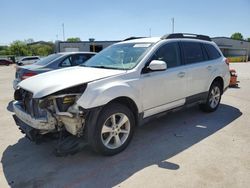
pixel 95 96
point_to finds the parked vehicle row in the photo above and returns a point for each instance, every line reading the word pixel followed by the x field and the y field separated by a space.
pixel 6 62
pixel 102 100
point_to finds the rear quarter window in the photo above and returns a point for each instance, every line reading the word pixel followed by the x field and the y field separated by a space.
pixel 212 52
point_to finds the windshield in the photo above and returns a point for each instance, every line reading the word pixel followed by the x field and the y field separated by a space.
pixel 48 59
pixel 120 56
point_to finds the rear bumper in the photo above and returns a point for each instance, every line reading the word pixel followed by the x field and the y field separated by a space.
pixel 45 124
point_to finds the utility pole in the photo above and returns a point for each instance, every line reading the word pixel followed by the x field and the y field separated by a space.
pixel 150 32
pixel 172 25
pixel 63 32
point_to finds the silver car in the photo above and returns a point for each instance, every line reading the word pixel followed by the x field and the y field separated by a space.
pixel 51 62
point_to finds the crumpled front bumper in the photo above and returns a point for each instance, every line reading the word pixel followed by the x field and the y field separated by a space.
pixel 30 132
pixel 45 124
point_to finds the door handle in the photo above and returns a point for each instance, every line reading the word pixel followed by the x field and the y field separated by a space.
pixel 209 67
pixel 181 74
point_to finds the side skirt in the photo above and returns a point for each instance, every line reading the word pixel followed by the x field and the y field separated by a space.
pixel 190 101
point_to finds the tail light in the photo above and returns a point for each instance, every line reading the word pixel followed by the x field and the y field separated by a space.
pixel 27 75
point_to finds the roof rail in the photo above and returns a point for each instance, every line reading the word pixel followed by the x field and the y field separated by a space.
pixel 186 35
pixel 132 38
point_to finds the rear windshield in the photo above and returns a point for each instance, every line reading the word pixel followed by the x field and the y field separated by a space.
pixel 48 59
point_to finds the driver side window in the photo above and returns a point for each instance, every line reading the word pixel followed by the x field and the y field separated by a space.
pixel 170 53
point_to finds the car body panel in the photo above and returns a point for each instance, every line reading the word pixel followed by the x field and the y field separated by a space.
pixel 54 81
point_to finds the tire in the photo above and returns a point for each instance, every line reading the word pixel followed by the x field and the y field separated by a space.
pixel 109 135
pixel 213 98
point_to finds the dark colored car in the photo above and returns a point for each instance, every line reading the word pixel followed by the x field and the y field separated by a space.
pixel 51 62
pixel 5 62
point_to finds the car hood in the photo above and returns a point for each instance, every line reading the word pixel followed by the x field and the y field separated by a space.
pixel 50 82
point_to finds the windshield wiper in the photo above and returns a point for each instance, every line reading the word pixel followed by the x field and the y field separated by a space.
pixel 104 67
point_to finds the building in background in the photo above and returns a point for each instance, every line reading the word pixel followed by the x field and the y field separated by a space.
pixel 89 46
pixel 234 50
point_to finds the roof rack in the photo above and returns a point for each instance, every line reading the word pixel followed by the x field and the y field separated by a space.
pixel 186 35
pixel 132 38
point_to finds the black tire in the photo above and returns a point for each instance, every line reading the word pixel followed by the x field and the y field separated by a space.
pixel 97 137
pixel 210 105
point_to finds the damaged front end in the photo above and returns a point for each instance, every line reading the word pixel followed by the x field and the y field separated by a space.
pixel 55 113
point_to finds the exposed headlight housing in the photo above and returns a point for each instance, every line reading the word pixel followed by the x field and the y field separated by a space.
pixel 63 98
pixel 79 89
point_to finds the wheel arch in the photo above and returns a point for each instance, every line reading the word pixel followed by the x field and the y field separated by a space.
pixel 219 80
pixel 128 102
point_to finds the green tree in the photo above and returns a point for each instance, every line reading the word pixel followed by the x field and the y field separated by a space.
pixel 4 50
pixel 19 48
pixel 30 40
pixel 42 49
pixel 237 36
pixel 73 39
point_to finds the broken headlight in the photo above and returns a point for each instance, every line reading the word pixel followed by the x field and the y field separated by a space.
pixel 63 98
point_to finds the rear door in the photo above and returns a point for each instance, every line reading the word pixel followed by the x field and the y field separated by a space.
pixel 199 67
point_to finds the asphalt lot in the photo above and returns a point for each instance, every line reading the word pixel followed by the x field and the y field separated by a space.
pixel 188 148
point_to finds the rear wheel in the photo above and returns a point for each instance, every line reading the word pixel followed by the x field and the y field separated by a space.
pixel 113 131
pixel 213 98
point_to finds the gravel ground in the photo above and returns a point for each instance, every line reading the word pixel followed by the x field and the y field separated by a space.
pixel 188 148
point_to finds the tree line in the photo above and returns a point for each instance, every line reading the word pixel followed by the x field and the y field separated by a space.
pixel 30 48
pixel 239 36
pixel 27 48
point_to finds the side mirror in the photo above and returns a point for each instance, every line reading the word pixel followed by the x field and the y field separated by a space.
pixel 157 65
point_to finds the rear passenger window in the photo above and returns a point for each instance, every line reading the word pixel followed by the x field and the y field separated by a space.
pixel 78 59
pixel 170 54
pixel 192 52
pixel 66 62
pixel 212 52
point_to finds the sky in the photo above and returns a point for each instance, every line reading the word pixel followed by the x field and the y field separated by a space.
pixel 117 19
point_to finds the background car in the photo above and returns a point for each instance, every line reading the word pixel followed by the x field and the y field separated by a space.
pixel 51 62
pixel 5 62
pixel 28 60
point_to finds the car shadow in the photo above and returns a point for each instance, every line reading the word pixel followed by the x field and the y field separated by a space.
pixel 26 164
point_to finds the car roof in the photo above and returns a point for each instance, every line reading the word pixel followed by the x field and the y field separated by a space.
pixel 142 40
pixel 67 53
pixel 30 57
pixel 173 37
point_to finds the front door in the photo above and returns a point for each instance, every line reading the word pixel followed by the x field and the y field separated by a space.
pixel 163 90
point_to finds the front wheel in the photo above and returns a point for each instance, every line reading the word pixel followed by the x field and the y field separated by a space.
pixel 213 99
pixel 113 131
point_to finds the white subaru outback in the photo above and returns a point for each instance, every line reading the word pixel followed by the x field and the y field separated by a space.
pixel 103 100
